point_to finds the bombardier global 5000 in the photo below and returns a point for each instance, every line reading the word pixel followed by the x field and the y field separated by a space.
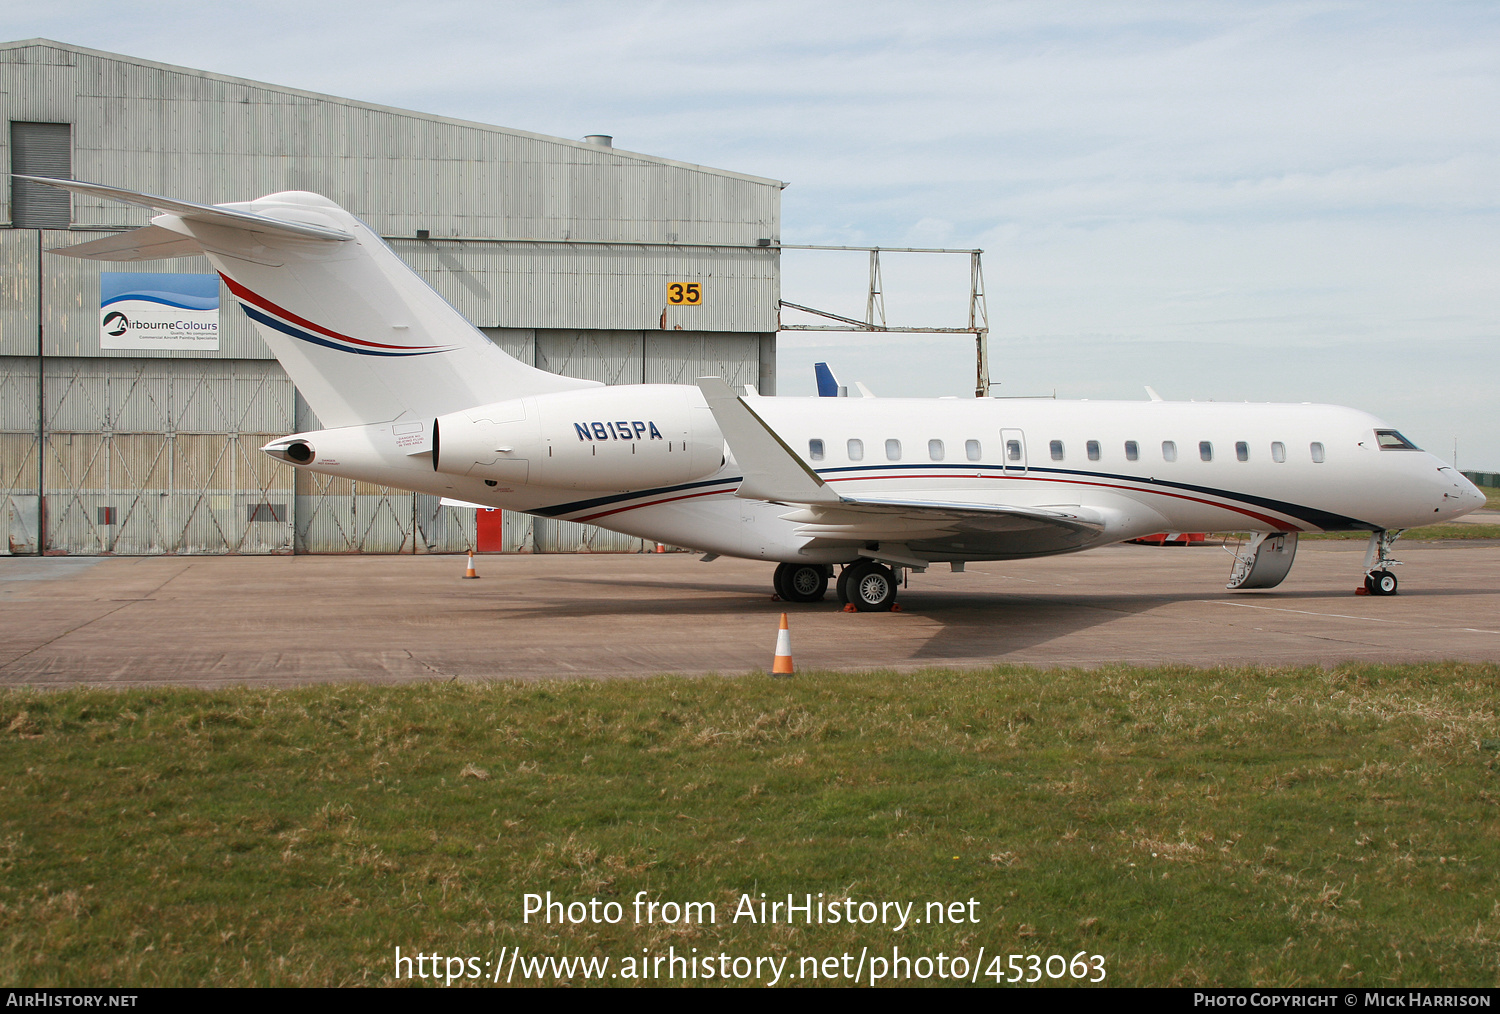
pixel 414 396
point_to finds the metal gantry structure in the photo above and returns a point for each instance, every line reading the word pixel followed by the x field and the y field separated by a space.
pixel 875 320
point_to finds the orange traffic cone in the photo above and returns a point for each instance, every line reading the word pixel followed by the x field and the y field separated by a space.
pixel 782 666
pixel 470 573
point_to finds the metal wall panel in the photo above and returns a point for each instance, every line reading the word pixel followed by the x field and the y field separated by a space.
pixel 18 391
pixel 517 342
pixel 681 358
pixel 552 535
pixel 161 456
pixel 19 489
pixel 601 287
pixel 211 138
pixel 18 292
pixel 611 357
pixel 444 529
pixel 342 516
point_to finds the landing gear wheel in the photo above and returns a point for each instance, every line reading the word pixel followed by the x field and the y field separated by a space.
pixel 870 586
pixel 1381 582
pixel 801 582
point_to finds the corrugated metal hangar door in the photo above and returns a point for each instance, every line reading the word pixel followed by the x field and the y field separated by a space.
pixel 163 456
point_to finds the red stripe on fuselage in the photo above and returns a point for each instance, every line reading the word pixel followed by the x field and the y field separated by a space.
pixel 652 503
pixel 265 304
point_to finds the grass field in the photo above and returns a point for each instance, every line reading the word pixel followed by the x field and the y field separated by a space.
pixel 1428 533
pixel 1271 827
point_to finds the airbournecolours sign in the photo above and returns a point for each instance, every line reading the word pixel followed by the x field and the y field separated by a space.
pixel 144 311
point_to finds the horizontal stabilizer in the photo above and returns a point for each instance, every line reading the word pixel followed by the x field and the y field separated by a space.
pixel 151 243
pixel 771 469
pixel 214 215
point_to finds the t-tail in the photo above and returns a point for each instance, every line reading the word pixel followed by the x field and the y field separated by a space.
pixel 361 335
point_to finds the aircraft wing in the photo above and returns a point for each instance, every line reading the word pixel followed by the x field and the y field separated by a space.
pixel 774 473
pixel 1024 530
pixel 771 470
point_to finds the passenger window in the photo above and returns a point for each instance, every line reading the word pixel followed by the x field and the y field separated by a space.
pixel 971 448
pixel 935 450
pixel 856 450
pixel 1169 450
pixel 1242 450
pixel 1132 451
pixel 1013 450
pixel 1278 451
pixel 1093 448
pixel 893 450
pixel 1206 450
pixel 815 450
pixel 1317 451
pixel 1057 450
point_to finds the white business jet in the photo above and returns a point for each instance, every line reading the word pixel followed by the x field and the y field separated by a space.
pixel 415 397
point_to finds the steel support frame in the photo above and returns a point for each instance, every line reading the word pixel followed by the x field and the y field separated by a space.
pixel 875 319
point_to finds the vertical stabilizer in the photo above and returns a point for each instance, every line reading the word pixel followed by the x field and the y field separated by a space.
pixel 361 335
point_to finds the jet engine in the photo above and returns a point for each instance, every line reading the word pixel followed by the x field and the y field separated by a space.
pixel 613 438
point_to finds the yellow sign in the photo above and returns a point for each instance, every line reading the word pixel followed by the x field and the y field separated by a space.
pixel 685 294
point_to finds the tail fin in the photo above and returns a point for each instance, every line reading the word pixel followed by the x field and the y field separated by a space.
pixel 828 387
pixel 361 335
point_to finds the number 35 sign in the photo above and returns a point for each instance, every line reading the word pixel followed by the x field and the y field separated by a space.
pixel 685 294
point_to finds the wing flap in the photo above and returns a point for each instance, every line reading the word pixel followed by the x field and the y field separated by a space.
pixel 858 520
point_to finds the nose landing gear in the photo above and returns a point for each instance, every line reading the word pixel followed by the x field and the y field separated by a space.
pixel 1378 580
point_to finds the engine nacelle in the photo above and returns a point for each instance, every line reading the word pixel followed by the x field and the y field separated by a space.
pixel 603 438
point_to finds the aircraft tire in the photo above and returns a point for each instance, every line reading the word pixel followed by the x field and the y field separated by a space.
pixel 870 586
pixel 804 582
pixel 778 581
pixel 1382 582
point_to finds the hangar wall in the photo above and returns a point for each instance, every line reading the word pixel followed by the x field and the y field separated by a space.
pixel 561 251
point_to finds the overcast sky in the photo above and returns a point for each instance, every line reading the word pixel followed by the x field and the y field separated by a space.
pixel 1263 201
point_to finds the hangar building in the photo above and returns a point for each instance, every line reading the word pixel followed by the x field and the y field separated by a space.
pixel 563 252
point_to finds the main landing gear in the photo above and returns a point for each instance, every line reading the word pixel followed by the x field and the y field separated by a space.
pixel 870 586
pixel 1378 580
pixel 801 582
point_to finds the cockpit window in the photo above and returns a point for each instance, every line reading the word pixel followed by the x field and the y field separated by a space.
pixel 1390 440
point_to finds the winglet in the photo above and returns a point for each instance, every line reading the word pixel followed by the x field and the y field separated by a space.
pixel 772 470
